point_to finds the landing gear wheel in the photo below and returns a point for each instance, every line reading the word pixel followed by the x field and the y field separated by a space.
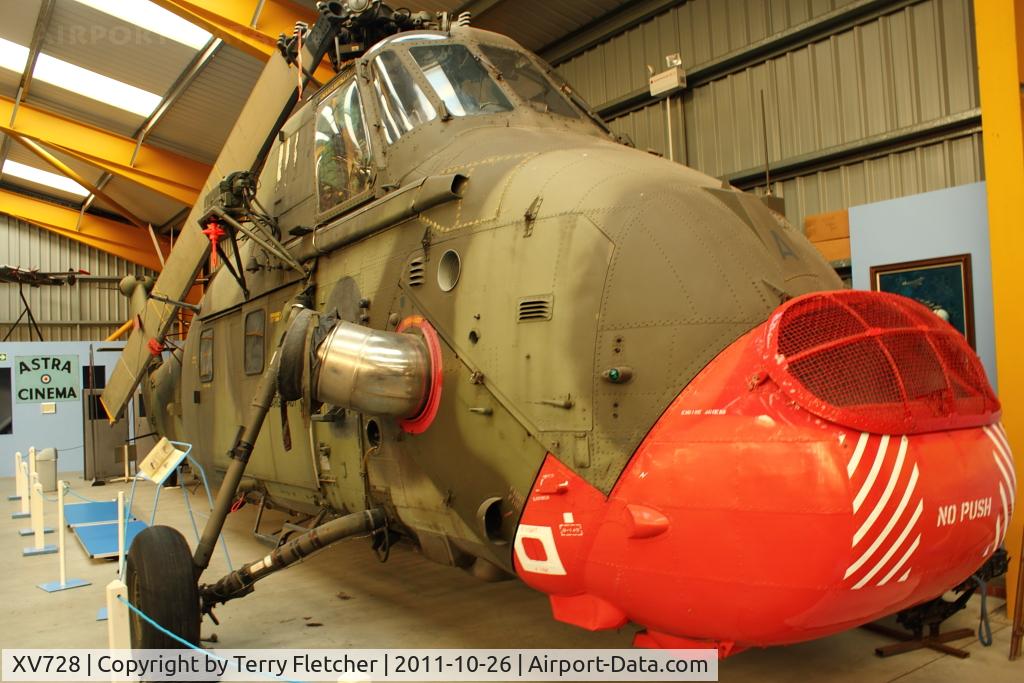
pixel 161 582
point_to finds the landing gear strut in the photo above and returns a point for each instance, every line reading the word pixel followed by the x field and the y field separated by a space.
pixel 162 576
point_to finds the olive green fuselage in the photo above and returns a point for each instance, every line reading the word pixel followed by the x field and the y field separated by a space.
pixel 579 256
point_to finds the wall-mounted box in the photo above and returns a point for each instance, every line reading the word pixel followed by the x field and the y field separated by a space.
pixel 668 81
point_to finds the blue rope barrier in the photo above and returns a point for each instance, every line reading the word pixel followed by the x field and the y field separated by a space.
pixel 68 490
pixel 152 622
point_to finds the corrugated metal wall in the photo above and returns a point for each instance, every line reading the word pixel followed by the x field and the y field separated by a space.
pixel 884 106
pixel 81 312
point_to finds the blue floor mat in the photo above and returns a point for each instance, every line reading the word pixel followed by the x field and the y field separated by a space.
pixel 100 540
pixel 90 513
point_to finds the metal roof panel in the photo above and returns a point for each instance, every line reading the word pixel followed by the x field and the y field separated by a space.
pixel 536 23
pixel 114 48
pixel 145 204
pixel 18 20
pixel 198 123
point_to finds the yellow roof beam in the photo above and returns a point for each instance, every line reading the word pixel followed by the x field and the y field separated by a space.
pixel 162 171
pixel 237 23
pixel 124 241
pixel 67 171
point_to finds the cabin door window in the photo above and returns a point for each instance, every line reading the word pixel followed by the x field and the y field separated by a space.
pixel 206 355
pixel 254 351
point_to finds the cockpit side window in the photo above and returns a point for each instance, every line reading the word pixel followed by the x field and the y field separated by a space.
pixel 403 104
pixel 344 164
pixel 528 82
pixel 459 80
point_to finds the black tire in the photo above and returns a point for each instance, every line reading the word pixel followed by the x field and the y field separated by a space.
pixel 161 582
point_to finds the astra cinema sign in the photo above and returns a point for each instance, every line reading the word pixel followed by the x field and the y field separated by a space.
pixel 47 378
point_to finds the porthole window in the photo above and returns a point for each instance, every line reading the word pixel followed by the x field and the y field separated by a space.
pixel 255 344
pixel 449 268
pixel 206 355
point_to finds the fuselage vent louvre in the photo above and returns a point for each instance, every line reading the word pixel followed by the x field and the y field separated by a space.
pixel 416 273
pixel 535 308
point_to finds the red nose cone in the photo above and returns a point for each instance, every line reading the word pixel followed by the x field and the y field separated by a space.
pixel 744 518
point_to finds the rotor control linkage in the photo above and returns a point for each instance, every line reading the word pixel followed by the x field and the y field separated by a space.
pixel 345 29
pixel 174 302
pixel 240 582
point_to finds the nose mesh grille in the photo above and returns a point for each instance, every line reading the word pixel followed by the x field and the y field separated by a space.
pixel 877 362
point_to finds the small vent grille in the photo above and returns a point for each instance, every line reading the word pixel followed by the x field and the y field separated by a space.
pixel 535 308
pixel 416 272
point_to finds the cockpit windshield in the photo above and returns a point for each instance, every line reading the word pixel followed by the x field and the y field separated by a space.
pixel 403 104
pixel 467 82
pixel 459 80
pixel 527 81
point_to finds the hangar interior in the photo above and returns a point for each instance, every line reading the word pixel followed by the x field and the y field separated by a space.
pixel 886 132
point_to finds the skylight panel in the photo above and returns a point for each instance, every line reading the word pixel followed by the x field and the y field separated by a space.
pixel 78 80
pixel 154 18
pixel 13 56
pixel 41 177
pixel 95 86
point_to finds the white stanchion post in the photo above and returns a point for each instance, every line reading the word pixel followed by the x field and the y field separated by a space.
pixel 26 500
pixel 118 625
pixel 38 530
pixel 33 480
pixel 120 534
pixel 19 479
pixel 64 582
pixel 31 461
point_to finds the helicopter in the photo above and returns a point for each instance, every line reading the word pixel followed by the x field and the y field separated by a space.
pixel 451 307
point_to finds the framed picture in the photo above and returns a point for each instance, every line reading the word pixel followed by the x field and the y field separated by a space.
pixel 942 284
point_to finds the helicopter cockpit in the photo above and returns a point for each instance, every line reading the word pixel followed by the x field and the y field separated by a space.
pixel 417 78
pixel 468 78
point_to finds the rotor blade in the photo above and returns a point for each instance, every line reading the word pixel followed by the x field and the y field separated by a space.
pixel 274 90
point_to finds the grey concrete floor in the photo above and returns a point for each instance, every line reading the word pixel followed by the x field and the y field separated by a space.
pixel 344 598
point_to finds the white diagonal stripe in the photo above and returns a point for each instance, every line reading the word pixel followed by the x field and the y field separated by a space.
pixel 1006 475
pixel 1002 432
pixel 892 549
pixel 888 527
pixel 999 438
pixel 1006 513
pixel 1004 452
pixel 865 488
pixel 1001 443
pixel 999 535
pixel 896 471
pixel 903 561
pixel 862 442
pixel 903 578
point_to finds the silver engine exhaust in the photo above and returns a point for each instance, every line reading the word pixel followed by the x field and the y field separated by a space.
pixel 372 371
